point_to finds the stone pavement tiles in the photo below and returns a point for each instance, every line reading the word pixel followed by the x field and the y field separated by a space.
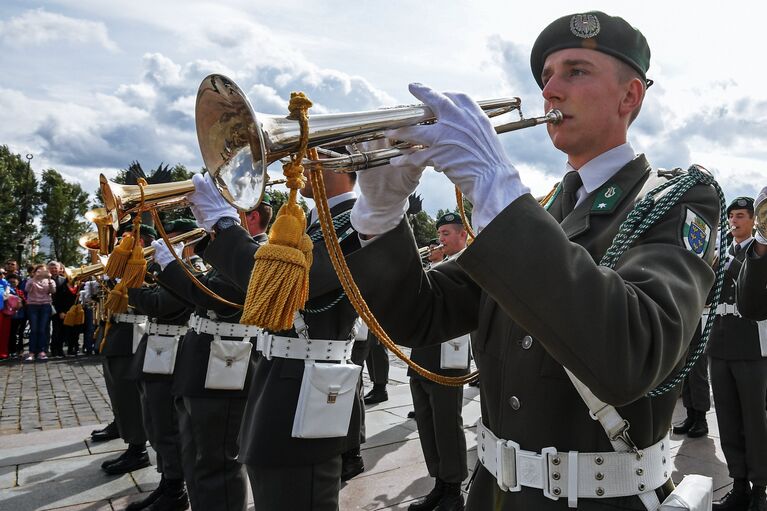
pixel 60 393
pixel 60 469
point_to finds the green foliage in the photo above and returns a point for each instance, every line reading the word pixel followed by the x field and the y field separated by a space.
pixel 424 228
pixel 64 206
pixel 19 203
pixel 278 198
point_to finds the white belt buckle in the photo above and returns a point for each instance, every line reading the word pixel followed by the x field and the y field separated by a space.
pixel 502 476
pixel 267 345
pixel 545 453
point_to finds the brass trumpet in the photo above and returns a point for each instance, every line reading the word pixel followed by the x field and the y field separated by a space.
pixel 760 216
pixel 238 144
pixel 103 239
pixel 77 274
pixel 428 250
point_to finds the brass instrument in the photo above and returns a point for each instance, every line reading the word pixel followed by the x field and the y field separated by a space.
pixel 120 200
pixel 238 144
pixel 428 250
pixel 760 216
pixel 77 274
pixel 103 239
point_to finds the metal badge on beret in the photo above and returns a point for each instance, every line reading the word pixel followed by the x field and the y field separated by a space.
pixel 584 25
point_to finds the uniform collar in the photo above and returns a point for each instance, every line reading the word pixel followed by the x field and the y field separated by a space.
pixel 332 202
pixel 599 170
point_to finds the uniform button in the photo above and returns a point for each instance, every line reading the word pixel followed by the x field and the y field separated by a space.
pixel 514 402
pixel 527 341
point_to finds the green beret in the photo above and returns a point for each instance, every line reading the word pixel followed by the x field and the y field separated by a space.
pixel 144 230
pixel 592 30
pixel 180 225
pixel 449 218
pixel 741 203
pixel 266 199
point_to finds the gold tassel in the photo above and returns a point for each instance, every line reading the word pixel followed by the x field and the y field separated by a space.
pixel 135 268
pixel 104 333
pixel 117 301
pixel 279 282
pixel 119 257
pixel 75 315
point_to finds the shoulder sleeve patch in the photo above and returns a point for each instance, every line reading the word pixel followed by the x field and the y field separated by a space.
pixel 696 233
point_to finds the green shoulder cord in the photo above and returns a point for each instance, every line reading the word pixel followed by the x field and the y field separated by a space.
pixel 644 215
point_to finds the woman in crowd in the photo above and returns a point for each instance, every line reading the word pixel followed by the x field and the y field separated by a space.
pixel 19 319
pixel 40 289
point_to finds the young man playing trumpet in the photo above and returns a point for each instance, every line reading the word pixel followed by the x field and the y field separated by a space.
pixel 530 287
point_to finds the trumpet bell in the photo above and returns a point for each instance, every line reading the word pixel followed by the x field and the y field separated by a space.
pixel 103 240
pixel 760 214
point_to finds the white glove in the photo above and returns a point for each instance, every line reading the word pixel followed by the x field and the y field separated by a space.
pixel 385 191
pixel 208 207
pixel 762 197
pixel 162 254
pixel 463 145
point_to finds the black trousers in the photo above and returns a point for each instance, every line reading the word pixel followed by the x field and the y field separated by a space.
pixel 126 402
pixel 302 488
pixel 209 431
pixel 696 391
pixel 739 389
pixel 16 339
pixel 57 338
pixel 161 426
pixel 440 428
pixel 377 361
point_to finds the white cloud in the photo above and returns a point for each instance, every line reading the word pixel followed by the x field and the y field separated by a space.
pixel 39 27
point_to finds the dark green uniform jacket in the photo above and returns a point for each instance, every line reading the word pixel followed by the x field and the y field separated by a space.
pixel 622 332
pixel 265 438
pixel 192 358
pixel 162 307
pixel 752 287
pixel 733 337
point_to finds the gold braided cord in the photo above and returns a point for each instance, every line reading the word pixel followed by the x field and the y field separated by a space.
pixel 353 292
pixel 195 281
pixel 279 282
pixel 462 212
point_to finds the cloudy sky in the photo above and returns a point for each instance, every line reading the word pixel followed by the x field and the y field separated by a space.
pixel 88 85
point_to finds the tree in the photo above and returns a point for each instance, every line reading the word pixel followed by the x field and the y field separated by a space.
pixel 424 228
pixel 277 198
pixel 19 203
pixel 65 205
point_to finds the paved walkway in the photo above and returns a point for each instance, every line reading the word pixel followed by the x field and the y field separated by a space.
pixel 47 461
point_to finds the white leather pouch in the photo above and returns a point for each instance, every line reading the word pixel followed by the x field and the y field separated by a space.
pixel 762 325
pixel 160 356
pixel 139 329
pixel 228 364
pixel 455 353
pixel 694 493
pixel 326 400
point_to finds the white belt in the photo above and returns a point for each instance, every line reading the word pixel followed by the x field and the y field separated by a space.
pixel 130 318
pixel 724 309
pixel 598 475
pixel 171 330
pixel 220 328
pixel 304 349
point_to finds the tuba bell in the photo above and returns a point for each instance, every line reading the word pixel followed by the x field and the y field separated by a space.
pixel 238 144
pixel 760 216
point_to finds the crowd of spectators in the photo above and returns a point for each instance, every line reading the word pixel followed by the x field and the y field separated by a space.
pixel 33 306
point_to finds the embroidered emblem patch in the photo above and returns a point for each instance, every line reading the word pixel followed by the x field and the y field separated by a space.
pixel 695 234
pixel 584 25
pixel 606 198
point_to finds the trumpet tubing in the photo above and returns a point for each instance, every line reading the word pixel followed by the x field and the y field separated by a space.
pixel 238 143
pixel 760 216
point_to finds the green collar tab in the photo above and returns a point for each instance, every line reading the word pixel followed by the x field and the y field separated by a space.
pixel 606 199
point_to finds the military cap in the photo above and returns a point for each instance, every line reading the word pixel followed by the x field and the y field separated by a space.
pixel 145 230
pixel 449 218
pixel 266 199
pixel 741 203
pixel 592 30
pixel 180 225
